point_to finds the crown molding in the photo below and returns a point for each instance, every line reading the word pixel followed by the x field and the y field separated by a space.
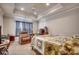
pixel 50 11
pixel 51 16
pixel 63 12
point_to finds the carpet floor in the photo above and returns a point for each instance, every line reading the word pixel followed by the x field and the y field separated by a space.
pixel 17 49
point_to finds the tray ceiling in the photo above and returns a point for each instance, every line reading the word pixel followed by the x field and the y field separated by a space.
pixel 34 10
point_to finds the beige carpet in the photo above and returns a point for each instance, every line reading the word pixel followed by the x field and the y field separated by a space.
pixel 17 49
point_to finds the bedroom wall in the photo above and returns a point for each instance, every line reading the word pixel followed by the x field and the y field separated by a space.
pixel 66 24
pixel 9 25
pixel 35 27
pixel 1 20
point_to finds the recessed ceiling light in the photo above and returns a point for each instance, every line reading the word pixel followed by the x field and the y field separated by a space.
pixel 33 8
pixel 22 9
pixel 35 13
pixel 47 4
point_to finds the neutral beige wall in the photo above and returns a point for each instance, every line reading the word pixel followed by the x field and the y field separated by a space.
pixel 42 23
pixel 9 26
pixel 1 23
pixel 35 27
pixel 66 24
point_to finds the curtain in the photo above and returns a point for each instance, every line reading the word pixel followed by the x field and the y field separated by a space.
pixel 23 26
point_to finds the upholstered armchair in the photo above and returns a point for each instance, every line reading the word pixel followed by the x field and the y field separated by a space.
pixel 24 38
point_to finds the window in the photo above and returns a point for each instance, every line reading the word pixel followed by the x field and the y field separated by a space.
pixel 23 26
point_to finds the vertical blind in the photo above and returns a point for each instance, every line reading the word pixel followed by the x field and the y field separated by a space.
pixel 23 26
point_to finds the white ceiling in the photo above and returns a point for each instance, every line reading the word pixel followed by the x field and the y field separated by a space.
pixel 42 10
